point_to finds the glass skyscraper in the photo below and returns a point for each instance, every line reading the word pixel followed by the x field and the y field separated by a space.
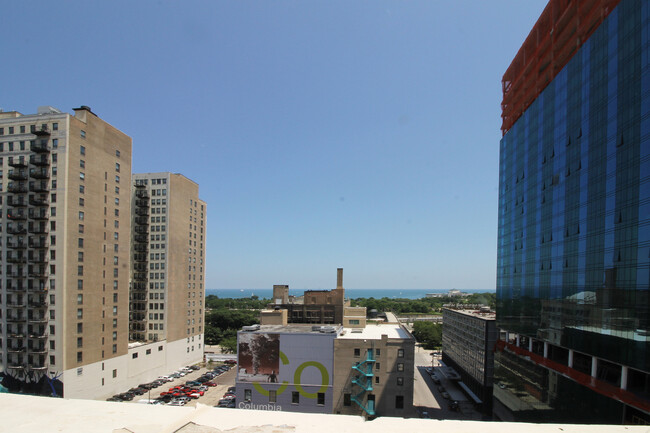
pixel 573 272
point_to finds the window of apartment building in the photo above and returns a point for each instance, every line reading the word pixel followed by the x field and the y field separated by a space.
pixel 80 342
pixel 357 351
pixel 55 126
pixel 80 299
pixel 81 215
pixel 135 355
pixel 52 314
pixel 400 366
pixel 83 135
pixel 52 345
pixel 347 400
pixel 295 397
pixel 80 313
pixel 247 394
pixel 321 399
pixel 80 271
pixel 114 371
pixel 117 153
pixel 81 201
pixel 82 163
pixel 400 353
pixel 80 328
pixel 148 351
pixel 80 284
pixel 377 366
pixel 81 242
pixel 273 396
pixel 376 379
pixel 80 356
pixel 11 130
pixel 117 166
pixel 114 349
pixel 82 189
pixel 400 381
pixel 55 143
pixel 82 175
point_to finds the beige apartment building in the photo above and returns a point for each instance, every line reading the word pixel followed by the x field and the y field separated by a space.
pixel 65 256
pixel 168 267
pixel 66 221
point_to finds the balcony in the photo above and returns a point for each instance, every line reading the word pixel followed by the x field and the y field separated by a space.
pixel 142 194
pixel 38 244
pixel 16 230
pixel 38 229
pixel 41 173
pixel 16 216
pixel 38 319
pixel 38 335
pixel 140 276
pixel 16 288
pixel 38 258
pixel 142 220
pixel 16 349
pixel 39 160
pixel 15 366
pixel 40 201
pixel 16 258
pixel 141 229
pixel 39 148
pixel 18 163
pixel 16 245
pixel 39 187
pixel 35 215
pixel 17 175
pixel 142 203
pixel 16 304
pixel 17 188
pixel 37 305
pixel 16 335
pixel 142 211
pixel 15 319
pixel 38 350
pixel 16 202
pixel 37 273
pixel 43 132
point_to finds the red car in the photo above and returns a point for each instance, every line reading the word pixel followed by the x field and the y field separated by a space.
pixel 210 384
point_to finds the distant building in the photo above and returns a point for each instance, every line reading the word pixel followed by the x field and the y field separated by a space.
pixel 468 340
pixel 354 368
pixel 316 306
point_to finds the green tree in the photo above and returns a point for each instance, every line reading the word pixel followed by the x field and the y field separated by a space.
pixel 428 333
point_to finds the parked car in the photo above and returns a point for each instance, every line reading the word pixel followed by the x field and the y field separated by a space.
pixel 446 395
pixel 435 379
pixel 228 396
pixel 454 406
pixel 441 388
pixel 232 389
pixel 210 384
pixel 175 403
pixel 226 402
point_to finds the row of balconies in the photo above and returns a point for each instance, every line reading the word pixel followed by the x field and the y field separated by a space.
pixel 142 203
pixel 20 229
pixel 35 173
pixel 21 188
pixel 35 244
pixel 19 201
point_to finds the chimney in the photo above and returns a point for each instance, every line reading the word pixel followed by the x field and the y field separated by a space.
pixel 339 278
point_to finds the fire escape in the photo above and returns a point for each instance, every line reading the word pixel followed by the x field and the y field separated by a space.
pixel 26 258
pixel 138 296
pixel 363 376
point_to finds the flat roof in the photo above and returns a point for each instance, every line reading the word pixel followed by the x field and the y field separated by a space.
pixel 375 331
pixel 475 313
pixel 293 328
pixel 29 414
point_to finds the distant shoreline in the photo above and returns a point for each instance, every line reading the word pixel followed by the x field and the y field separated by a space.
pixel 349 293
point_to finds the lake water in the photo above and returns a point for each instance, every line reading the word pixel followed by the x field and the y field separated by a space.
pixel 349 293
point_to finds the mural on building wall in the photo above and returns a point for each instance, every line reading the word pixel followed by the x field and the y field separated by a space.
pixel 259 357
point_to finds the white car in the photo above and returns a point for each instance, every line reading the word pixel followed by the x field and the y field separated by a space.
pixel 176 403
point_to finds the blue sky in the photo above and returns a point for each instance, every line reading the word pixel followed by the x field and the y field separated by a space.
pixel 323 134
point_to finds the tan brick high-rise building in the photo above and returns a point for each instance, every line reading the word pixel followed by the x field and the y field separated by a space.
pixel 65 204
pixel 101 281
pixel 167 301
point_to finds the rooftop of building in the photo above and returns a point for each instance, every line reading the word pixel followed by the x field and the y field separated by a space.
pixel 375 331
pixel 485 315
pixel 293 328
pixel 27 414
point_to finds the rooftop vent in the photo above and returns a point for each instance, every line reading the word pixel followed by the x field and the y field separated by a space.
pixel 327 329
pixel 250 328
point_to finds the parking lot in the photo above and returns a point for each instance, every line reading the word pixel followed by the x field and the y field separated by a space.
pixel 211 396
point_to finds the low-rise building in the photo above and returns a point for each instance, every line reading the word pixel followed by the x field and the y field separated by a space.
pixel 468 339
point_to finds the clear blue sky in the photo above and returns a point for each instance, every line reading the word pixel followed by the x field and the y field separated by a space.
pixel 323 134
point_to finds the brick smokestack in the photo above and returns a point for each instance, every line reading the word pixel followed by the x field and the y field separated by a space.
pixel 339 278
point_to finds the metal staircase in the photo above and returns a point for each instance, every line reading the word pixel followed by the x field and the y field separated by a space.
pixel 363 376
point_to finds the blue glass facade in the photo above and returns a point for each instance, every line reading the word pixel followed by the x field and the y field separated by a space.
pixel 573 271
